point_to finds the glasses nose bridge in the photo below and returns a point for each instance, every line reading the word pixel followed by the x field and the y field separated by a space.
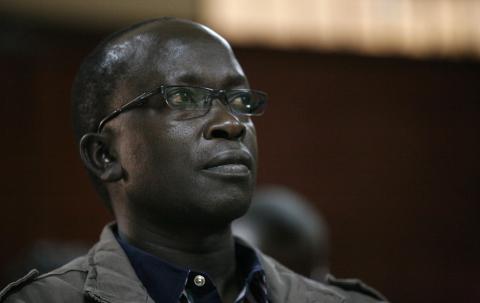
pixel 221 96
pixel 218 94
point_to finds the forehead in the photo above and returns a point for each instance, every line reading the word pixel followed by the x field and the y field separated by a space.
pixel 197 62
pixel 182 56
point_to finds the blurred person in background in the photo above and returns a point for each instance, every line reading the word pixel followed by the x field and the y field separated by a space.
pixel 162 116
pixel 284 225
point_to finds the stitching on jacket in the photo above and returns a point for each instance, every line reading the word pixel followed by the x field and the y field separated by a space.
pixel 53 273
pixel 28 277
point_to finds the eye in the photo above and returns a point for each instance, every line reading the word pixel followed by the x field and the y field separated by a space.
pixel 180 97
pixel 243 102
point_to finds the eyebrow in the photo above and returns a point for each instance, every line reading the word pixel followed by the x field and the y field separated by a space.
pixel 228 81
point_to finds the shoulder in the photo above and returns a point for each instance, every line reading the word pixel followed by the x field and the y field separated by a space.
pixel 286 286
pixel 56 286
pixel 355 288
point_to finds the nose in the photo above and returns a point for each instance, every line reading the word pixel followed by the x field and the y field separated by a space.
pixel 223 124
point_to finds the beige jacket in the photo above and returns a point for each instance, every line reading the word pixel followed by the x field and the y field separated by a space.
pixel 105 275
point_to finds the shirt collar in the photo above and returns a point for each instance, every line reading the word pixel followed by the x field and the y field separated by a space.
pixel 166 282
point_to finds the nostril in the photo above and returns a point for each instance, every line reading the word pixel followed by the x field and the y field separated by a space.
pixel 229 130
pixel 220 134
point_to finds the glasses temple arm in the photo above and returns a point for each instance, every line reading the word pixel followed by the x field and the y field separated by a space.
pixel 123 108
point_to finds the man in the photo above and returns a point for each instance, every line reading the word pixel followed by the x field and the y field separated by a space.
pixel 162 112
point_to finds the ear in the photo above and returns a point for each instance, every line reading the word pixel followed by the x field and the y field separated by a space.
pixel 94 151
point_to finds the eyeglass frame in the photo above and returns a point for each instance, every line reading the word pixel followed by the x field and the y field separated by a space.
pixel 141 100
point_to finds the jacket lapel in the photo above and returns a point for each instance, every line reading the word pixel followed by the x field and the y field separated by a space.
pixel 286 286
pixel 111 278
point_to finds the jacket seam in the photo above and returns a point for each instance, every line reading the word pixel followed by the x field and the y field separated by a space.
pixel 50 274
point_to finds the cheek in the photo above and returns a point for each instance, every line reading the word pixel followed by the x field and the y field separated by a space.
pixel 178 142
pixel 156 147
pixel 134 154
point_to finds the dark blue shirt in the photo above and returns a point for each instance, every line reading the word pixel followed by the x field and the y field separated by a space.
pixel 167 283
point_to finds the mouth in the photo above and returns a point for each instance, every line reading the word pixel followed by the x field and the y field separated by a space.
pixel 230 163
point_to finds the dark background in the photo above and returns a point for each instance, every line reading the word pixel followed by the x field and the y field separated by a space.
pixel 387 148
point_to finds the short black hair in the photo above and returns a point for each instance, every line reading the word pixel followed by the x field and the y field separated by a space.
pixel 93 87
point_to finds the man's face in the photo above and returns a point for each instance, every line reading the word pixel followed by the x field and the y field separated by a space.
pixel 183 170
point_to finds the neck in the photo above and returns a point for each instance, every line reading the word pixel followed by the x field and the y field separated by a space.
pixel 202 250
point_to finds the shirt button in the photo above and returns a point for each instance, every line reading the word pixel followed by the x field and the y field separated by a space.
pixel 199 280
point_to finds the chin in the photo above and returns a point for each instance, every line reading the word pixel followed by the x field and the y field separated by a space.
pixel 204 204
pixel 224 208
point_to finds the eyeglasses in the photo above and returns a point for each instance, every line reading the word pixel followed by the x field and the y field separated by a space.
pixel 197 101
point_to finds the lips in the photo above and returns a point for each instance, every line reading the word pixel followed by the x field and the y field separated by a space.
pixel 231 162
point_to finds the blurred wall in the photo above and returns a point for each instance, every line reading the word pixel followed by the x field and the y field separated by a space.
pixel 382 27
pixel 98 15
pixel 386 147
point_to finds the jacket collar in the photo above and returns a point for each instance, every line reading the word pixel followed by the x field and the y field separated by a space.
pixel 286 286
pixel 110 277
pixel 150 270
